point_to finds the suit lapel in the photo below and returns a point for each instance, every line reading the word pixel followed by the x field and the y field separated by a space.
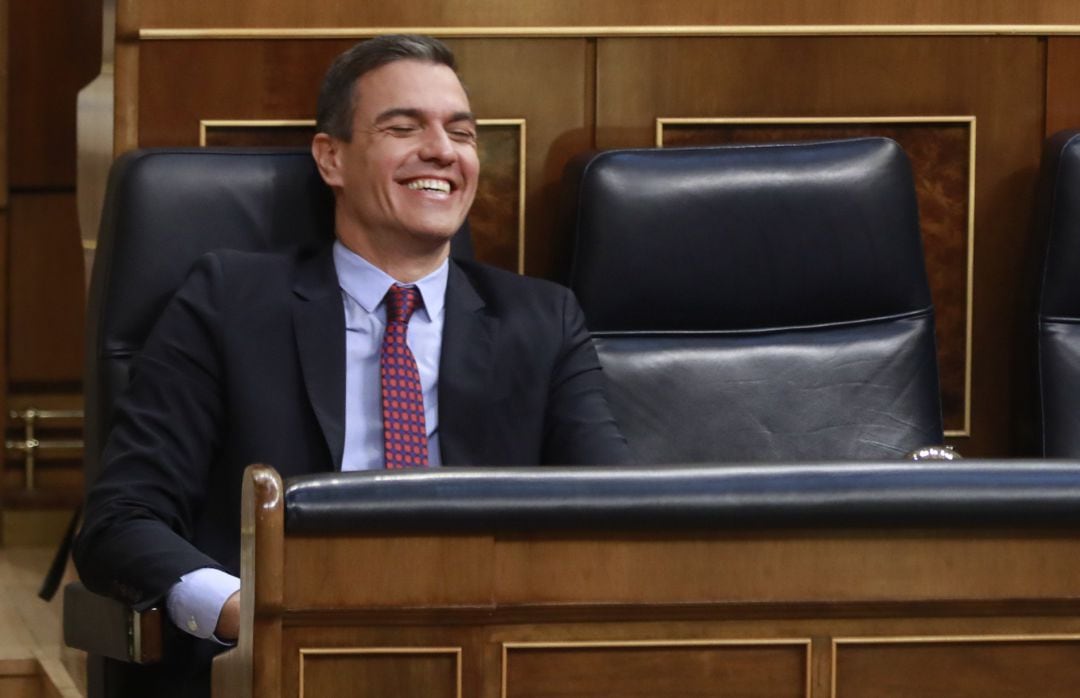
pixel 319 321
pixel 465 368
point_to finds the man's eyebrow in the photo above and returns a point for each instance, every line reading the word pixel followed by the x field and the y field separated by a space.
pixel 397 111
pixel 411 113
pixel 463 116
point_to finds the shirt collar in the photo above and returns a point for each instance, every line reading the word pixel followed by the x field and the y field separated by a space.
pixel 366 284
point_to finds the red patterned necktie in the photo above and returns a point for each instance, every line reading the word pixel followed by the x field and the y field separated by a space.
pixel 404 431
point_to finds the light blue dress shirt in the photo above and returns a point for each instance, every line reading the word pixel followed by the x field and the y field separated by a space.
pixel 363 288
pixel 195 602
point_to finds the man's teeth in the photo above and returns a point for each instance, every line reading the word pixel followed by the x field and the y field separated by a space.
pixel 430 185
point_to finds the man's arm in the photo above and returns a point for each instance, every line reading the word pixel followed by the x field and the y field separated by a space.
pixel 135 542
pixel 579 426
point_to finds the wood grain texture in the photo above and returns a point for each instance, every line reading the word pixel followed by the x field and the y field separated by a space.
pixel 659 671
pixel 999 81
pixel 429 13
pixel 410 673
pixel 45 306
pixel 1062 78
pixel 960 669
pixel 5 41
pixel 55 49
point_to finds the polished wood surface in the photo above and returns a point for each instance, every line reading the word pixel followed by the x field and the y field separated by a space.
pixel 622 613
pixel 32 656
pixel 960 668
pixel 480 13
pixel 1062 77
pixel 658 670
pixel 4 90
pixel 46 310
pixel 404 673
pixel 55 48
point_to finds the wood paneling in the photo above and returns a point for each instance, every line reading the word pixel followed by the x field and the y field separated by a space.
pixel 409 673
pixel 1062 79
pixel 45 309
pixel 4 91
pixel 658 671
pixel 959 669
pixel 279 80
pixel 996 80
pixel 480 13
pixel 55 50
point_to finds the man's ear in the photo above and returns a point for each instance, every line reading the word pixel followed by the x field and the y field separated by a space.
pixel 324 149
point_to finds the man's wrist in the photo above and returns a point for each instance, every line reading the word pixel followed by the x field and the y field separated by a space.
pixel 196 602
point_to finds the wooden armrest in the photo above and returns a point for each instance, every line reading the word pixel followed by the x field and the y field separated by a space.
pixel 102 626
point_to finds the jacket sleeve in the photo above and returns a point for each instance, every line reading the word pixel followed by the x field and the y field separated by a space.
pixel 135 539
pixel 579 428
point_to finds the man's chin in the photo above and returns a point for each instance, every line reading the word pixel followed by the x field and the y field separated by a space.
pixel 434 234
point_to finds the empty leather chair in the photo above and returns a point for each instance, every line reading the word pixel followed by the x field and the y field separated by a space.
pixel 1058 222
pixel 758 302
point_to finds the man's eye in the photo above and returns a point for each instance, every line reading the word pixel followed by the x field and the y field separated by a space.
pixel 401 130
pixel 463 136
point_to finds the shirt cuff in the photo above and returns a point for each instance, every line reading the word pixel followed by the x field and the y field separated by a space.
pixel 195 602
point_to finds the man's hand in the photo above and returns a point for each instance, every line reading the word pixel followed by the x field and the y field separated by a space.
pixel 228 625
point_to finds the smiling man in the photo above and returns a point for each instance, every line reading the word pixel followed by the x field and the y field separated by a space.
pixel 376 352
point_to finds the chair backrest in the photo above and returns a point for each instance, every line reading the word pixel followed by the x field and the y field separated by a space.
pixel 1058 221
pixel 164 208
pixel 758 303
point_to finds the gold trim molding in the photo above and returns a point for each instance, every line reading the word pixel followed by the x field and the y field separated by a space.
pixel 805 643
pixel 969 291
pixel 339 651
pixel 193 33
pixel 207 124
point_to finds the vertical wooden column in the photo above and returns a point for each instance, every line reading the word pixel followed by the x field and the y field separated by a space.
pixel 53 49
pixel 6 100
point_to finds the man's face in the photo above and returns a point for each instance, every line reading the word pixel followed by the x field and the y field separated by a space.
pixel 412 166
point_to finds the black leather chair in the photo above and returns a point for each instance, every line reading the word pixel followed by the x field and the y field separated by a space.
pixel 164 208
pixel 758 302
pixel 1058 222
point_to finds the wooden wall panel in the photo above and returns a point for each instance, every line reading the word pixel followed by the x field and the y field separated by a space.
pixel 407 673
pixel 959 668
pixel 613 13
pixel 999 81
pixel 55 50
pixel 660 670
pixel 279 80
pixel 45 309
pixel 4 52
pixel 1062 83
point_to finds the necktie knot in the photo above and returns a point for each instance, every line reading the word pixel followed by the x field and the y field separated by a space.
pixel 401 301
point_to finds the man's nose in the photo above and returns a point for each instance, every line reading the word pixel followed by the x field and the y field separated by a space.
pixel 437 146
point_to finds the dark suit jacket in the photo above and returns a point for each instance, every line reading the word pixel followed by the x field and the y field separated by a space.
pixel 246 365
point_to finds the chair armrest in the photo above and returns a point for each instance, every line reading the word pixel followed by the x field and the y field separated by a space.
pixel 99 625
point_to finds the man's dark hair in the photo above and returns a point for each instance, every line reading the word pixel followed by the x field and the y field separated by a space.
pixel 337 98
